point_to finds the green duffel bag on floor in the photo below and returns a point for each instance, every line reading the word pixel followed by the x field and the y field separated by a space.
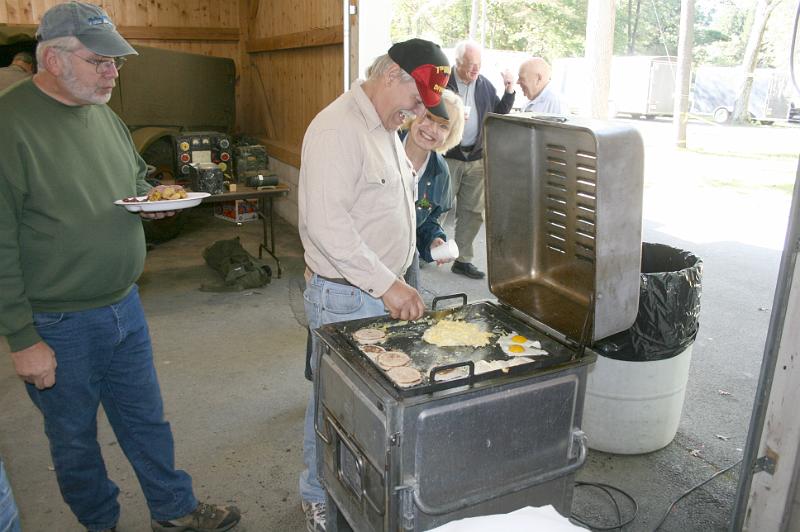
pixel 239 269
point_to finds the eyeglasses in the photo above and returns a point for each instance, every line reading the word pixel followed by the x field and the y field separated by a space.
pixel 103 66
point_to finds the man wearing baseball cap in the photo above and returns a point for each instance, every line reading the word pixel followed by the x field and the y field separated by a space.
pixel 70 258
pixel 356 209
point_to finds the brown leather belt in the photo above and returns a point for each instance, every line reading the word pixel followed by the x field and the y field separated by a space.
pixel 337 280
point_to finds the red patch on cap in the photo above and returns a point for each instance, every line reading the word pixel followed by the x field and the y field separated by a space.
pixel 431 82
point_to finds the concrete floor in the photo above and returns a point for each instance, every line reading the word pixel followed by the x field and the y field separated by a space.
pixel 230 367
pixel 231 371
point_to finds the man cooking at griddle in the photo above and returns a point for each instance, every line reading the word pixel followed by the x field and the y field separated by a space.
pixel 356 209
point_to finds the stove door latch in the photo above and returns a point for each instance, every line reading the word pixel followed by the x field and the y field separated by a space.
pixel 577 449
pixel 405 495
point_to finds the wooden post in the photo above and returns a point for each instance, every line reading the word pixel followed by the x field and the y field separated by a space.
pixel 680 107
pixel 599 49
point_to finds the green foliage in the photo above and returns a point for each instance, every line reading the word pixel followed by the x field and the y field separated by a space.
pixel 550 28
pixel 724 38
pixel 544 28
pixel 557 28
pixel 656 30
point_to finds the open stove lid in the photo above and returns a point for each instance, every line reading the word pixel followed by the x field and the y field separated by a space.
pixel 564 221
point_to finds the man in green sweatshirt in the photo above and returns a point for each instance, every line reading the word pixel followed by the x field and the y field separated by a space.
pixel 69 260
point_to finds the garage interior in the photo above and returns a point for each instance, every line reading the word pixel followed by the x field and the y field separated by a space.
pixel 231 364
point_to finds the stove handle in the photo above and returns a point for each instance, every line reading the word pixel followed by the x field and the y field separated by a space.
pixel 445 298
pixel 578 439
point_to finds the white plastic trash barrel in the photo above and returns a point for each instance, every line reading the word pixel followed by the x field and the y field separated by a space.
pixel 634 407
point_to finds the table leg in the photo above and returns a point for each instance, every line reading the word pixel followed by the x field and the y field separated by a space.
pixel 268 228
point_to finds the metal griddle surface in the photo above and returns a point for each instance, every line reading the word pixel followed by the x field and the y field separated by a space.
pixel 407 337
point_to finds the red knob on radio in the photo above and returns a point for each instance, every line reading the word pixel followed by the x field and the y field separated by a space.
pixel 225 156
pixel 185 157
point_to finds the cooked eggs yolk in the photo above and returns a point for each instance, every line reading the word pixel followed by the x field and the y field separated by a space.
pixel 514 348
pixel 519 339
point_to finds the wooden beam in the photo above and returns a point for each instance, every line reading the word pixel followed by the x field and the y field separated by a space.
pixel 22 28
pixel 303 39
pixel 175 33
pixel 287 153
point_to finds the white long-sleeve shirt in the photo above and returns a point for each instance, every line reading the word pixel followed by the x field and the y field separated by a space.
pixel 548 101
pixel 356 208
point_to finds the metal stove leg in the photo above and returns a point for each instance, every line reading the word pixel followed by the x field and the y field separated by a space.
pixel 334 520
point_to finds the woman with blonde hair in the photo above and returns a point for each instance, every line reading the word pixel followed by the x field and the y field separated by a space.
pixel 426 138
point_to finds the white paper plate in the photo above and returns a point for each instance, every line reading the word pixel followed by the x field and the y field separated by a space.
pixel 192 199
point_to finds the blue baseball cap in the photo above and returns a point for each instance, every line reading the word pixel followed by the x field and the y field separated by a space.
pixel 89 24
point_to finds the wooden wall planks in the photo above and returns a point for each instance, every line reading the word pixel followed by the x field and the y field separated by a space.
pixel 294 67
pixel 297 49
pixel 212 13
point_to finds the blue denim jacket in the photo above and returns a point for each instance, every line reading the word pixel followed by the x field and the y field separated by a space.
pixel 434 198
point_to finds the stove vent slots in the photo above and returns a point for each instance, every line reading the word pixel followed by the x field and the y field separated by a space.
pixel 571 182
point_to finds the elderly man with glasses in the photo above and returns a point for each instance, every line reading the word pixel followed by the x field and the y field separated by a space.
pixel 69 260
pixel 466 160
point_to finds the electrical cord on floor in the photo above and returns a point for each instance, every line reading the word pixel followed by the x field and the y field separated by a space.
pixel 607 489
pixel 687 492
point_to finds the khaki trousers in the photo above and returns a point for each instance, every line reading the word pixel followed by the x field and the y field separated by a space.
pixel 467 182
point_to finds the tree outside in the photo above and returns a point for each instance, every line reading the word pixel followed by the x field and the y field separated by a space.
pixel 556 29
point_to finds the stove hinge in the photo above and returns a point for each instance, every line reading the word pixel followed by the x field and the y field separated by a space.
pixel 393 441
pixel 405 496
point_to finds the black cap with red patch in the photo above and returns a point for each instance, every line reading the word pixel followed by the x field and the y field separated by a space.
pixel 428 65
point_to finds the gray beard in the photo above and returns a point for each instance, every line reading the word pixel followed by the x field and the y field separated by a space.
pixel 80 91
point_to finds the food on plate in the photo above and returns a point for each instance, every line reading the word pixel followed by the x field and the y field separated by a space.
pixel 517 345
pixel 393 359
pixel 405 376
pixel 133 199
pixel 166 193
pixel 369 336
pixel 450 333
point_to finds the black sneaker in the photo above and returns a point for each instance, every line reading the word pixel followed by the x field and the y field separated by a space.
pixel 468 269
pixel 204 518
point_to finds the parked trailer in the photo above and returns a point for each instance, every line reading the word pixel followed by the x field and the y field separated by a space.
pixel 715 90
pixel 641 86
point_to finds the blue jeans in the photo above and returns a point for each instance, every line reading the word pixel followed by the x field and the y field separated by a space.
pixel 412 277
pixel 9 516
pixel 104 356
pixel 327 302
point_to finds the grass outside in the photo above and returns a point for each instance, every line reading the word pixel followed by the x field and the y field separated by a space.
pixel 743 159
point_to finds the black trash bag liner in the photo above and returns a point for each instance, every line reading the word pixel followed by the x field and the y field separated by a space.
pixel 669 307
pixel 239 269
